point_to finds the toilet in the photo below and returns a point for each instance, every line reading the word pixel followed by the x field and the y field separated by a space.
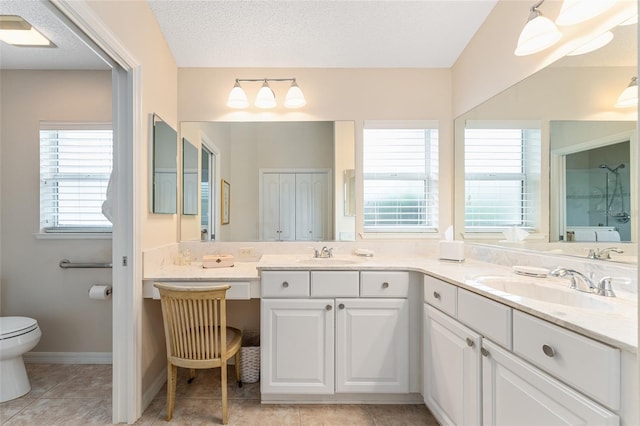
pixel 18 335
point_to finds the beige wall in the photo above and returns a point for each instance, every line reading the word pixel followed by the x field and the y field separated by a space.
pixel 32 283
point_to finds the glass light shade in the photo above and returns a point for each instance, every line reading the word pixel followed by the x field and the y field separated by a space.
pixel 539 34
pixel 594 44
pixel 630 21
pixel 295 98
pixel 265 98
pixel 237 97
pixel 576 11
pixel 629 96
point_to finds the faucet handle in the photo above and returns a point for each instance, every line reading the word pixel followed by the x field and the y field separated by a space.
pixel 605 288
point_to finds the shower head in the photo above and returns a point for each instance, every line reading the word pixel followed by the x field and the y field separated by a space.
pixel 614 170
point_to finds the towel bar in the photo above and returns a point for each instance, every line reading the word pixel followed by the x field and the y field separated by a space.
pixel 66 264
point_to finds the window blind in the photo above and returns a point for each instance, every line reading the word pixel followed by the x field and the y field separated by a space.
pixel 502 170
pixel 400 169
pixel 75 165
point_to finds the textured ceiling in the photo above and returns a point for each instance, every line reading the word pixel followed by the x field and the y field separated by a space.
pixel 323 33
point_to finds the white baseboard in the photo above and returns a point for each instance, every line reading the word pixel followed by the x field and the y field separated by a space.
pixel 68 357
pixel 151 392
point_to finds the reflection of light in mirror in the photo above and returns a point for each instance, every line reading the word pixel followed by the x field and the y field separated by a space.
pixel 629 96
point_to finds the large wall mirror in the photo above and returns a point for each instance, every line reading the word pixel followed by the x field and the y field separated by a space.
pixel 588 164
pixel 165 167
pixel 287 179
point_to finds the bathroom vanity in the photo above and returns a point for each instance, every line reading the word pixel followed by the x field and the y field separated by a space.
pixel 465 338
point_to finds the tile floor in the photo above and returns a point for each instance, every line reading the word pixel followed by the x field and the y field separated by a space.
pixel 80 395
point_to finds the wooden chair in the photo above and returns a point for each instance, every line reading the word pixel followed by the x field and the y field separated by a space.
pixel 195 327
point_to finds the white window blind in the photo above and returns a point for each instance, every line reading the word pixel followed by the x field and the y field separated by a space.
pixel 502 170
pixel 400 168
pixel 75 164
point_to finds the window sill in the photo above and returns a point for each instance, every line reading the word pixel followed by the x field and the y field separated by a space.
pixel 73 236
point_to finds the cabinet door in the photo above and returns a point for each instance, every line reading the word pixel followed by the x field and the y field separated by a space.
pixel 287 206
pixel 312 205
pixel 452 362
pixel 372 345
pixel 516 393
pixel 270 211
pixel 297 346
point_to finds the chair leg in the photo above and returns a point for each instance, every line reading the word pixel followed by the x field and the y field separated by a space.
pixel 237 368
pixel 172 376
pixel 192 375
pixel 223 380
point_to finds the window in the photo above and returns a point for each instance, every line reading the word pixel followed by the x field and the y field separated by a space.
pixel 75 165
pixel 400 165
pixel 502 178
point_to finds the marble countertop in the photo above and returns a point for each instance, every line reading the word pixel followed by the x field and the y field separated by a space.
pixel 609 320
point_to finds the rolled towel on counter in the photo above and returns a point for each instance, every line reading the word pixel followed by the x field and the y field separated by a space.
pixel 217 261
pixel 584 235
pixel 607 236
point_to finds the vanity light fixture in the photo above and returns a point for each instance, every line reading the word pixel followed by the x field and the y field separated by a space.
pixel 629 96
pixel 16 31
pixel 266 97
pixel 594 44
pixel 576 11
pixel 630 21
pixel 538 34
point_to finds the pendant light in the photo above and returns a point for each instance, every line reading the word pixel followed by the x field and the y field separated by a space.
pixel 629 96
pixel 576 11
pixel 294 98
pixel 237 97
pixel 266 98
pixel 538 34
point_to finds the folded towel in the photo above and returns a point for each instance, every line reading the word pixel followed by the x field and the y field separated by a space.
pixel 607 236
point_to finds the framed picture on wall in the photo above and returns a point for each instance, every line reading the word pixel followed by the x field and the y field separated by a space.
pixel 225 202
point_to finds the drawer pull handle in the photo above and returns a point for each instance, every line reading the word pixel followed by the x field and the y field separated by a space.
pixel 470 342
pixel 329 307
pixel 341 306
pixel 285 284
pixel 484 352
pixel 436 295
pixel 385 285
pixel 548 351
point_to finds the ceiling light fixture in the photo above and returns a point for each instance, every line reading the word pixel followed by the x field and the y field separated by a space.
pixel 266 97
pixel 16 31
pixel 576 11
pixel 593 44
pixel 630 21
pixel 538 34
pixel 629 96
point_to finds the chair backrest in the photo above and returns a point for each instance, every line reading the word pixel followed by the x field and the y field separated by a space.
pixel 195 321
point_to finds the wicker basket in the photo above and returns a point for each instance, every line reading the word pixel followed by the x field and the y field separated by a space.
pixel 250 364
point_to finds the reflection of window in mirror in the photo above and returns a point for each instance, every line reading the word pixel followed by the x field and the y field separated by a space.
pixel 400 173
pixel 208 194
pixel 502 176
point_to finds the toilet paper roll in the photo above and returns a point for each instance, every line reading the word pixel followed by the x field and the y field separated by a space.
pixel 100 292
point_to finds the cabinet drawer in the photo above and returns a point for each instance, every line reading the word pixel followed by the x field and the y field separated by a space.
pixel 489 318
pixel 588 365
pixel 284 284
pixel 384 284
pixel 335 283
pixel 440 294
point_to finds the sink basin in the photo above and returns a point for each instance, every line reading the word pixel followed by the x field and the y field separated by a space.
pixel 327 261
pixel 544 290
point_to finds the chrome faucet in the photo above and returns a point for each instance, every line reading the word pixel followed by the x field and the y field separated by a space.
pixel 325 252
pixel 605 288
pixel 584 283
pixel 603 254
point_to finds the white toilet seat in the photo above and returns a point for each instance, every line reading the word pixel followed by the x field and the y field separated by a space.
pixel 16 326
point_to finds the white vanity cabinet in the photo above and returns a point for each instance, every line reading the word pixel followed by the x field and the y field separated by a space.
pixel 333 340
pixel 514 392
pixel 452 374
pixel 471 375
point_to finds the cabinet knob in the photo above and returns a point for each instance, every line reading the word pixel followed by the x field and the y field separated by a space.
pixel 285 284
pixel 548 351
pixel 329 307
pixel 385 285
pixel 436 295
pixel 484 352
pixel 470 342
pixel 341 306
